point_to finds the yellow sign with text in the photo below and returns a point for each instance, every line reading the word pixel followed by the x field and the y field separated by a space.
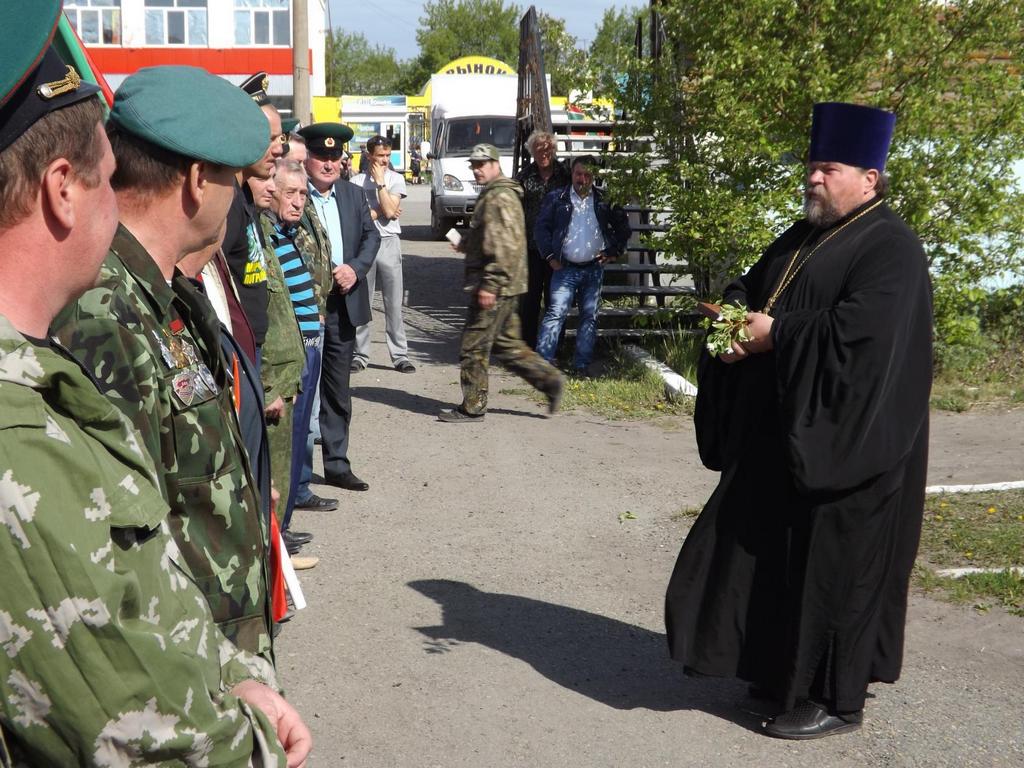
pixel 476 65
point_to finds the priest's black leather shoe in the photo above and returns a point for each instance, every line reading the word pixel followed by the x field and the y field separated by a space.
pixel 317 503
pixel 348 481
pixel 810 720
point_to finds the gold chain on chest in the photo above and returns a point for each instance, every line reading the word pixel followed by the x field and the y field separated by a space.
pixel 795 264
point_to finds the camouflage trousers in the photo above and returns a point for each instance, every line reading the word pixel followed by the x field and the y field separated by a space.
pixel 279 438
pixel 498 329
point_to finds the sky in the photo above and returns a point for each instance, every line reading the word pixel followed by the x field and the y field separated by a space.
pixel 393 23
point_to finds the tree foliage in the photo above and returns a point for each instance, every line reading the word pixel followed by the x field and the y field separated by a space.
pixel 730 103
pixel 563 59
pixel 354 66
pixel 612 51
pixel 453 28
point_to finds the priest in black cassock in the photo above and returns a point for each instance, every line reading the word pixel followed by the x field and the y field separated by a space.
pixel 795 575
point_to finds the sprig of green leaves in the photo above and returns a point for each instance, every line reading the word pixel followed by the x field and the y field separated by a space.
pixel 730 326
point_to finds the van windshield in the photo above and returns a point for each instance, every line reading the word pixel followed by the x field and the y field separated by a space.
pixel 466 132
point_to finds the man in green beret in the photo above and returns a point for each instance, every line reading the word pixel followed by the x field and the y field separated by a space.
pixel 111 654
pixel 152 340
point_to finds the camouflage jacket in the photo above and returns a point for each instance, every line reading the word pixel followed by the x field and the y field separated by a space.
pixel 496 243
pixel 155 352
pixel 110 655
pixel 284 356
pixel 315 246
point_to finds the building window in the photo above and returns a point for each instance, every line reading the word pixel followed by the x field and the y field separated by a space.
pixel 97 22
pixel 262 22
pixel 175 22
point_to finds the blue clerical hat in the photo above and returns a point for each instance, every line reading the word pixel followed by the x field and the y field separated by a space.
pixel 851 134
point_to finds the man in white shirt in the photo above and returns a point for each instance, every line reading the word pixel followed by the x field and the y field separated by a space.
pixel 577 232
pixel 384 190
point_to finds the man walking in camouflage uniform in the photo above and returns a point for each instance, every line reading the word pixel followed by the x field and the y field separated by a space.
pixel 153 341
pixel 111 654
pixel 495 249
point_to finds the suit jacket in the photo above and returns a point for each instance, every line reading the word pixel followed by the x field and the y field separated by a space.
pixel 360 240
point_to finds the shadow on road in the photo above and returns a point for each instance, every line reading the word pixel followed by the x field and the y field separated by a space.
pixel 617 664
pixel 426 406
pixel 396 398
pixel 418 232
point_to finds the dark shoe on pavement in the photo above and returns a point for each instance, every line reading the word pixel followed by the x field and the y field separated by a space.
pixel 318 503
pixel 810 720
pixel 404 366
pixel 458 416
pixel 296 538
pixel 555 396
pixel 292 547
pixel 348 481
pixel 358 364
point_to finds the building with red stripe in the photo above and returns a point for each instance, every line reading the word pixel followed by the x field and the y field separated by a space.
pixel 231 38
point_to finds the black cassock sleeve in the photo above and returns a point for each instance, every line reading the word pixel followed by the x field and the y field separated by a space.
pixel 853 378
pixel 730 408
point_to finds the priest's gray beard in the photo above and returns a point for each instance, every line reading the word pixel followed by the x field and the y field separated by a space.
pixel 820 210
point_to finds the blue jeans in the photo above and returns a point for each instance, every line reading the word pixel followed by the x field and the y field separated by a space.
pixel 568 283
pixel 302 492
pixel 300 425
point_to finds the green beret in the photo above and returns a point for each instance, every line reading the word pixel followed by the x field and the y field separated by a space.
pixel 329 136
pixel 34 80
pixel 193 113
pixel 289 124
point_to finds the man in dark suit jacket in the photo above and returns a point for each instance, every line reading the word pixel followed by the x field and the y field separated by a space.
pixel 353 240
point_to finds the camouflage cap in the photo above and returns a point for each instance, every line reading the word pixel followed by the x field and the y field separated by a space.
pixel 483 153
pixel 189 111
pixel 34 80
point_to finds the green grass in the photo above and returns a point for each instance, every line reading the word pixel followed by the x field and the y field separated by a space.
pixel 976 529
pixel 987 374
pixel 686 513
pixel 625 390
pixel 951 394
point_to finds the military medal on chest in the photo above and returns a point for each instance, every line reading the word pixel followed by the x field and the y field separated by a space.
pixel 193 380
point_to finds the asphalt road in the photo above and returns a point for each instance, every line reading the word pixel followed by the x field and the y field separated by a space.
pixel 484 605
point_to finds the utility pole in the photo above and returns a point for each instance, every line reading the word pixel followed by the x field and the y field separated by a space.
pixel 301 105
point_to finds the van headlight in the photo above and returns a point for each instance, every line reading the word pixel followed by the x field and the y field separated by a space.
pixel 451 183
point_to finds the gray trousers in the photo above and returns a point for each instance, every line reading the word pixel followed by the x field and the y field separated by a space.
pixel 388 268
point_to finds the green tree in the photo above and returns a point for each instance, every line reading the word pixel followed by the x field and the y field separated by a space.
pixel 354 66
pixel 563 59
pixel 730 104
pixel 453 28
pixel 612 51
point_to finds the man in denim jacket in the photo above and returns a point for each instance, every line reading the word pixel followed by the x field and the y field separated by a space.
pixel 577 232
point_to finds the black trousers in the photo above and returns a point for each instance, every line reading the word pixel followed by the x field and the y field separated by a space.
pixel 335 393
pixel 538 285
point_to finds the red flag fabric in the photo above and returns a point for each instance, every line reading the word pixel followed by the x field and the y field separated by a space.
pixel 278 595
